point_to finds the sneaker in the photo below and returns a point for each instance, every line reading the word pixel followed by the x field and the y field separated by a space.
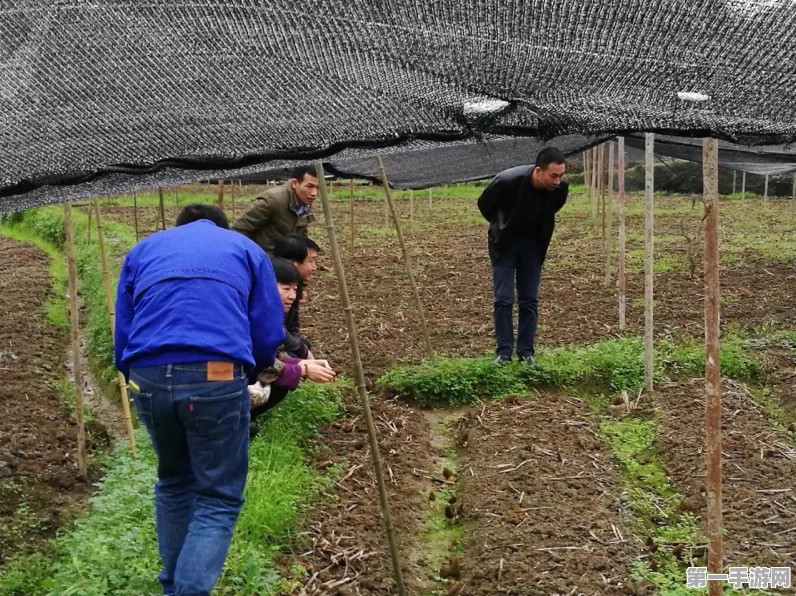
pixel 501 360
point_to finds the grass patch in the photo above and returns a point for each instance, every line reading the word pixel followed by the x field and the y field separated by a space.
pixel 610 366
pixel 653 501
pixel 114 549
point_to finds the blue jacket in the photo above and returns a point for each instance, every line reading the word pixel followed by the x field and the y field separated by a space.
pixel 193 293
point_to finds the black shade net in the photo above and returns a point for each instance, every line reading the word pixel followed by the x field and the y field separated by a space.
pixel 102 97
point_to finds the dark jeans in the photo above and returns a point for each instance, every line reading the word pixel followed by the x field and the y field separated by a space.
pixel 522 259
pixel 200 431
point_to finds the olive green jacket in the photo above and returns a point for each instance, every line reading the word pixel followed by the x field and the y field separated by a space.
pixel 272 217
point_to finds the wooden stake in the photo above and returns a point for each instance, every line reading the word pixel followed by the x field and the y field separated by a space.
pixel 743 185
pixel 75 332
pixel 608 215
pixel 710 161
pixel 429 199
pixel 351 203
pixel 135 215
pixel 110 303
pixel 232 197
pixel 418 302
pixel 221 194
pixel 593 198
pixel 162 208
pixel 622 236
pixel 360 378
pixel 649 206
pixel 599 188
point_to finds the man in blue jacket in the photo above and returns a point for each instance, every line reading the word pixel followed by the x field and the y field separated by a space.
pixel 520 205
pixel 197 312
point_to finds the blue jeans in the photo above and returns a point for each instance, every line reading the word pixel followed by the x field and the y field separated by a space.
pixel 522 259
pixel 200 432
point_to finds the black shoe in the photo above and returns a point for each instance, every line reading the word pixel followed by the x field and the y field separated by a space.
pixel 501 360
pixel 527 359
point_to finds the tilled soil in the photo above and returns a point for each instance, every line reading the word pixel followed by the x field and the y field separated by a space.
pixel 39 486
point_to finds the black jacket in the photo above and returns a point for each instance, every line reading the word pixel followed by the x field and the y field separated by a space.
pixel 512 207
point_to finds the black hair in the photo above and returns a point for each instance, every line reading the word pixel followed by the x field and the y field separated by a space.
pixel 549 155
pixel 300 171
pixel 285 271
pixel 295 248
pixel 197 211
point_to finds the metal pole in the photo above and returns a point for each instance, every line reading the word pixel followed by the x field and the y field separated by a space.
pixel 351 201
pixel 110 303
pixel 360 377
pixel 622 236
pixel 712 364
pixel 743 185
pixel 649 205
pixel 407 260
pixel 75 333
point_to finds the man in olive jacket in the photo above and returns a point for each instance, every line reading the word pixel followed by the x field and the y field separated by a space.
pixel 281 211
pixel 520 205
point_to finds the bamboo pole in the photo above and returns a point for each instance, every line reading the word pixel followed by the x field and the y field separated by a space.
pixel 162 209
pixel 88 227
pixel 598 190
pixel 386 212
pixel 587 175
pixel 109 301
pixel 135 215
pixel 360 378
pixel 75 333
pixel 712 363
pixel 351 203
pixel 743 185
pixel 649 205
pixel 622 236
pixel 609 214
pixel 221 194
pixel 418 302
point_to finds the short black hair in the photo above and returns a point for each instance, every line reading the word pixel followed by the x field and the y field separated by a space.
pixel 295 247
pixel 285 271
pixel 549 155
pixel 197 211
pixel 300 171
pixel 292 248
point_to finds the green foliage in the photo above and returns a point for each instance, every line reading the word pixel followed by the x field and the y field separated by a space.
pixel 613 365
pixel 114 549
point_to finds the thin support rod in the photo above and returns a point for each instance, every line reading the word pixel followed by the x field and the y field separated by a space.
pixel 743 184
pixel 418 302
pixel 765 191
pixel 609 214
pixel 622 282
pixel 649 206
pixel 110 303
pixel 162 207
pixel 77 367
pixel 351 202
pixel 135 215
pixel 360 378
pixel 710 161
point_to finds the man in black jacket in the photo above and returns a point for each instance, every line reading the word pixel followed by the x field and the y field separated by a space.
pixel 521 205
pixel 303 253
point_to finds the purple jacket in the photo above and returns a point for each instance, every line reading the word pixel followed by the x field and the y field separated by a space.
pixel 291 376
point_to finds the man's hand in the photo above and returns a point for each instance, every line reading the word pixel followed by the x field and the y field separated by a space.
pixel 318 371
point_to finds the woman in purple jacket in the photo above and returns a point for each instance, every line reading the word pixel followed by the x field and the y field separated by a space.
pixel 274 383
